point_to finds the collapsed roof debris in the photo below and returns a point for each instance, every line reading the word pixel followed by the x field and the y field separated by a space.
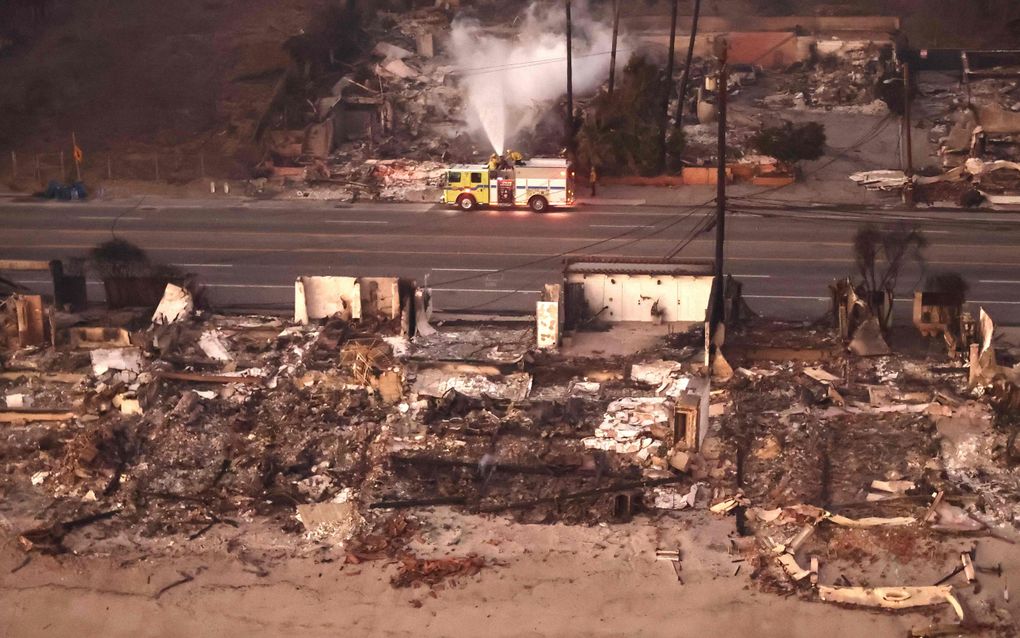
pixel 330 426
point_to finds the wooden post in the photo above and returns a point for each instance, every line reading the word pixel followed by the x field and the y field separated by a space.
pixel 720 197
pixel 906 118
pixel 687 67
pixel 570 80
pixel 156 160
pixel 908 189
pixel 664 115
pixel 718 311
pixel 612 54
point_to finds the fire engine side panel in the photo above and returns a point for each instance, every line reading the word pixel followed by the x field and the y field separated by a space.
pixel 554 190
pixel 481 191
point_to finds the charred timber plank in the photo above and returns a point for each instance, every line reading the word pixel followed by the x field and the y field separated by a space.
pixel 55 377
pixel 207 378
pixel 619 487
pixel 503 468
pixel 509 468
pixel 419 502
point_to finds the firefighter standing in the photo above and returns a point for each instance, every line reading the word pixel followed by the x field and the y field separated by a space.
pixel 593 178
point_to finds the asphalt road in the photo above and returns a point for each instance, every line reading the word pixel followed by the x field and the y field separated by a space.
pixel 248 254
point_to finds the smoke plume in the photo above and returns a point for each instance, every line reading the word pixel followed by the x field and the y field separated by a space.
pixel 509 83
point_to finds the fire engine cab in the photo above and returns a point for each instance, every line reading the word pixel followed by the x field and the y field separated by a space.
pixel 538 183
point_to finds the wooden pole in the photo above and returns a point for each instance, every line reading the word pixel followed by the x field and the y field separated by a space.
pixel 570 80
pixel 718 308
pixel 906 118
pixel 669 84
pixel 908 189
pixel 687 67
pixel 612 54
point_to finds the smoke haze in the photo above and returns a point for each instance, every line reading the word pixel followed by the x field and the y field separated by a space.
pixel 509 83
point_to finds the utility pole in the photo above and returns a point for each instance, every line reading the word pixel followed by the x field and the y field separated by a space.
pixel 570 81
pixel 906 118
pixel 719 307
pixel 669 82
pixel 908 190
pixel 687 67
pixel 612 55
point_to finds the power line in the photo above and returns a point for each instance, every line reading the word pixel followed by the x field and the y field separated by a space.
pixel 681 218
pixel 529 63
pixel 864 139
pixel 690 211
pixel 700 227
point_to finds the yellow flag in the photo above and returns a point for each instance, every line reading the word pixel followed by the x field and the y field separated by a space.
pixel 78 155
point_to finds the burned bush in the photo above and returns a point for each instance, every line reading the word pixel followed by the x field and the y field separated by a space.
pixel 879 255
pixel 120 258
pixel 791 142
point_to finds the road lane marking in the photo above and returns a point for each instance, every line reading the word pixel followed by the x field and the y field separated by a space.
pixel 620 225
pixel 785 297
pixel 998 281
pixel 206 285
pixel 291 287
pixel 900 300
pixel 204 265
pixel 355 221
pixel 50 281
pixel 495 290
pixel 278 286
pixel 466 269
pixel 279 234
pixel 754 276
pixel 177 249
pixel 111 218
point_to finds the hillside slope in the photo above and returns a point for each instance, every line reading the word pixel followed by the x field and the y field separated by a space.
pixel 173 76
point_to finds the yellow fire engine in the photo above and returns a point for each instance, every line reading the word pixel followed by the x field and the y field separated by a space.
pixel 538 183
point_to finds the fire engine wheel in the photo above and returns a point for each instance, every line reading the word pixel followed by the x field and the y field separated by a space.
pixel 538 204
pixel 466 202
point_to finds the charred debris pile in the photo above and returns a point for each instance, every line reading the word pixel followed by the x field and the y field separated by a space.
pixel 337 427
